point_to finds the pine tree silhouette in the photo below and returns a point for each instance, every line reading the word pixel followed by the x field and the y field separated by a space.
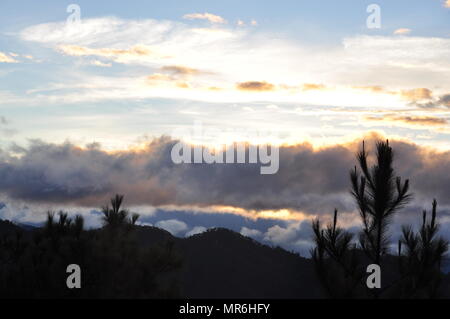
pixel 114 264
pixel 341 262
pixel 115 216
pixel 420 264
pixel 379 195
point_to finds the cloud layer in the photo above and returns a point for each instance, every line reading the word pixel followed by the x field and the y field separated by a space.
pixel 310 181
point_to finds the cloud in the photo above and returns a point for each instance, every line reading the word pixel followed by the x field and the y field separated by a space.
pixel 6 59
pixel 444 100
pixel 52 173
pixel 196 230
pixel 413 95
pixel 372 88
pixel 420 62
pixel 5 130
pixel 255 86
pixel 447 4
pixel 417 94
pixel 402 31
pixel 252 233
pixel 180 70
pixel 176 75
pixel 413 120
pixel 205 16
pixel 313 87
pixel 117 55
pixel 101 64
pixel 282 235
pixel 173 226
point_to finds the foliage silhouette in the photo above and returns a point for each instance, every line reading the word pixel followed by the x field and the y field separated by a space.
pixel 113 264
pixel 341 262
pixel 420 264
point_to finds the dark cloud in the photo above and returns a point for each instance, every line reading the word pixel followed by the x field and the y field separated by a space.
pixel 308 180
pixel 4 127
pixel 444 100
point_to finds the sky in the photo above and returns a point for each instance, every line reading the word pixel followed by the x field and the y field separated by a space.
pixel 93 94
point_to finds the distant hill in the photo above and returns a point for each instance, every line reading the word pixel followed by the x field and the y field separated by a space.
pixel 7 227
pixel 224 264
pixel 221 263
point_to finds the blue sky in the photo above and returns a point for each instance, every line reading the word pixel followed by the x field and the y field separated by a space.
pixel 317 42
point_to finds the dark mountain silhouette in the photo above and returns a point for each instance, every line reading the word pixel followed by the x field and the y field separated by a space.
pixel 221 263
pixel 8 228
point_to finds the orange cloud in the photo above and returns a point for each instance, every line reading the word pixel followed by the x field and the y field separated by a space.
pixel 373 88
pixel 180 70
pixel 413 120
pixel 417 94
pixel 183 85
pixel 214 88
pixel 6 59
pixel 402 31
pixel 313 87
pixel 410 95
pixel 74 50
pixel 255 86
pixel 159 77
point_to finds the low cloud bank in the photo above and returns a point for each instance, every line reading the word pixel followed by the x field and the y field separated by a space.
pixel 311 181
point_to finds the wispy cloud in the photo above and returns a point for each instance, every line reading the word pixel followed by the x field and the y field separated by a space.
pixel 101 64
pixel 412 120
pixel 205 16
pixel 402 31
pixel 118 55
pixel 173 50
pixel 181 70
pixel 417 94
pixel 255 86
pixel 4 58
pixel 313 87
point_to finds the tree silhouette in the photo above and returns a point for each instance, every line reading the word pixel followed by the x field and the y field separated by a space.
pixel 379 195
pixel 341 262
pixel 116 216
pixel 114 264
pixel 420 264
